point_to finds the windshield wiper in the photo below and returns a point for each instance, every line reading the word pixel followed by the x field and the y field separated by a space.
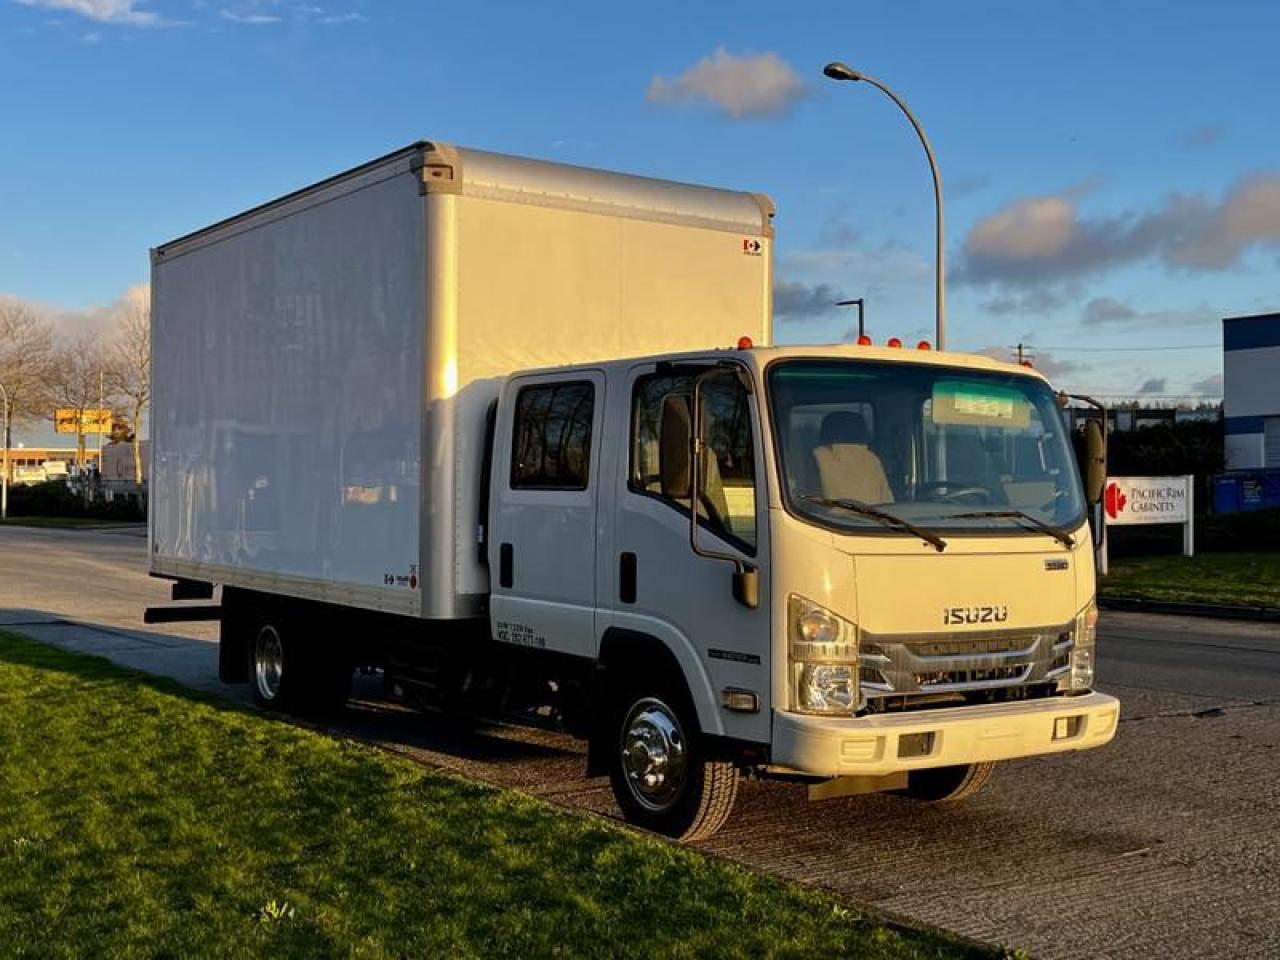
pixel 888 519
pixel 1058 534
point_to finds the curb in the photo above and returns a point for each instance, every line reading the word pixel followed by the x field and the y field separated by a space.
pixel 1217 611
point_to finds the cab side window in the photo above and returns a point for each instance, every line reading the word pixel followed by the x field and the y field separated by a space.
pixel 551 436
pixel 727 501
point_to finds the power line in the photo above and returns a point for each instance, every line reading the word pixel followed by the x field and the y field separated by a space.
pixel 1188 346
pixel 1130 395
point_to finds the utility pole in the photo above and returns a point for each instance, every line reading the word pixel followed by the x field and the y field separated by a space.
pixel 99 418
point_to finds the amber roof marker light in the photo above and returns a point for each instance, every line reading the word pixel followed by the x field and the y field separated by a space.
pixel 841 71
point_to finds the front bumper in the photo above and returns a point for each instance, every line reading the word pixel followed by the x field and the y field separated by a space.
pixel 875 745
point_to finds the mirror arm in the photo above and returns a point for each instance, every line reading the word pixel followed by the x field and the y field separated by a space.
pixel 1063 397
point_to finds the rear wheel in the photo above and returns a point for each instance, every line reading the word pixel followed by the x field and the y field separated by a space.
pixel 285 674
pixel 273 684
pixel 948 785
pixel 660 775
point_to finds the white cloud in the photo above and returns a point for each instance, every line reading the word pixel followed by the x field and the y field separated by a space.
pixel 1103 310
pixel 1211 385
pixel 252 19
pixel 1037 241
pixel 1110 312
pixel 1038 228
pixel 334 18
pixel 751 85
pixel 103 11
pixel 797 301
pixel 1031 302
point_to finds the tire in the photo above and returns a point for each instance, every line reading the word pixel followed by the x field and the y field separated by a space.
pixel 660 776
pixel 946 786
pixel 284 675
pixel 272 669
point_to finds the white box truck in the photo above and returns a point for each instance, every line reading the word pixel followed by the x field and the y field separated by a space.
pixel 512 432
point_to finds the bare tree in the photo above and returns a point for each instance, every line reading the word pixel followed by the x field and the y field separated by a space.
pixel 26 353
pixel 77 380
pixel 129 363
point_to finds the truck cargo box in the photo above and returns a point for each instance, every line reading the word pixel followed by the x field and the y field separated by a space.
pixel 323 364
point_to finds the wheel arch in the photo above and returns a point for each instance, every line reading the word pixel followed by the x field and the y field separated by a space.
pixel 626 654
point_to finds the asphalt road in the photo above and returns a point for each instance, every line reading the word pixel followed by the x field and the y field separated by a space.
pixel 1166 844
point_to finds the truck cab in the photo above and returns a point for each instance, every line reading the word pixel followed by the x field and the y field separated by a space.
pixel 866 568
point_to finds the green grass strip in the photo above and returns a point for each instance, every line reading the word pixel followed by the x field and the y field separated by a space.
pixel 1246 579
pixel 143 820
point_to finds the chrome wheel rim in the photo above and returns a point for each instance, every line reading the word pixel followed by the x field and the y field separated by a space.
pixel 655 757
pixel 268 662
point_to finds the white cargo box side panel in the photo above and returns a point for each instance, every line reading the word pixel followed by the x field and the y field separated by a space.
pixel 288 359
pixel 542 283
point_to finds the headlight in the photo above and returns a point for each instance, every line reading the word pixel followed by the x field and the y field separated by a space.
pixel 1080 677
pixel 824 659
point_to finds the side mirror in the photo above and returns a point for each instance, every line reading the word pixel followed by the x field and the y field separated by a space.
pixel 674 446
pixel 1095 462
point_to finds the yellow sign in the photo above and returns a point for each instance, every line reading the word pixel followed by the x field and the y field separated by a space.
pixel 91 421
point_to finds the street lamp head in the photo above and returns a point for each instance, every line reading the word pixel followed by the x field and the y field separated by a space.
pixel 840 71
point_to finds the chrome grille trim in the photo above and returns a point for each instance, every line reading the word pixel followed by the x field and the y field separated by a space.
pixel 903 665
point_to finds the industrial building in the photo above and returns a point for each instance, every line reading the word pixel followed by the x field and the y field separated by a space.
pixel 38 464
pixel 1251 391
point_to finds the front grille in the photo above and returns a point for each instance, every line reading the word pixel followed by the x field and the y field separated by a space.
pixel 951 678
pixel 920 669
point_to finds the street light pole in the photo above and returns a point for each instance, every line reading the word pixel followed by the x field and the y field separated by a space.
pixel 4 477
pixel 839 71
pixel 862 330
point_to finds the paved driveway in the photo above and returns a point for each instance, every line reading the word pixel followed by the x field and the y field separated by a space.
pixel 1164 845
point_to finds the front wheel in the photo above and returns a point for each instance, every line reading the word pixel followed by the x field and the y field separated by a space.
pixel 948 785
pixel 660 776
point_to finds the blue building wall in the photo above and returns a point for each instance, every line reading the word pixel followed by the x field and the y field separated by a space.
pixel 1251 391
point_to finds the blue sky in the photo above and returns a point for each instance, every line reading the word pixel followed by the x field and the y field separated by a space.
pixel 1112 169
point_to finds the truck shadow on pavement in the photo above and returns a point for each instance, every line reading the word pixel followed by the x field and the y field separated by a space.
pixel 187 667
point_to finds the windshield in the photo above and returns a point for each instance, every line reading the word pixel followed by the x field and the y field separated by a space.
pixel 941 448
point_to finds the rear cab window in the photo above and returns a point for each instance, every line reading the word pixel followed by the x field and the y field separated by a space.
pixel 551 436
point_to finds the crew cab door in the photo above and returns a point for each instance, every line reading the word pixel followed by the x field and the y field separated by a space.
pixel 657 585
pixel 544 494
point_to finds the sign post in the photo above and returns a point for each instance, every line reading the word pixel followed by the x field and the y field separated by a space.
pixel 1131 501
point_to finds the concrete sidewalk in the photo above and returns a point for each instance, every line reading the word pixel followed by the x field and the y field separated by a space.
pixel 192 662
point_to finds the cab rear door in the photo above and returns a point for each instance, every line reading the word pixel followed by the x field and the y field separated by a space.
pixel 545 498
